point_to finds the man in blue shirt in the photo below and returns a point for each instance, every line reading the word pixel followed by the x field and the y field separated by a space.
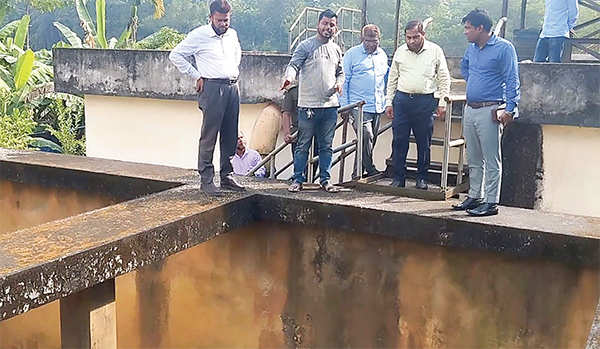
pixel 559 20
pixel 365 71
pixel 492 73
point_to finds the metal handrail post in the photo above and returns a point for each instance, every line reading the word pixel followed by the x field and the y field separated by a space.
pixel 305 24
pixel 351 29
pixel 446 159
pixel 461 149
pixel 344 139
pixel 272 167
pixel 359 143
pixel 283 145
pixel 310 175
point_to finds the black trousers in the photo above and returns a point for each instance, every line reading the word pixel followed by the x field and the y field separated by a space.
pixel 220 104
pixel 412 112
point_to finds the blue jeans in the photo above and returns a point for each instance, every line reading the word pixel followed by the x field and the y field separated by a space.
pixel 549 49
pixel 322 125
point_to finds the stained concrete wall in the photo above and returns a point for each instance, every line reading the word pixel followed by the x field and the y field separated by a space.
pixel 271 285
pixel 560 94
pixel 301 254
pixel 149 74
pixel 26 205
pixel 288 286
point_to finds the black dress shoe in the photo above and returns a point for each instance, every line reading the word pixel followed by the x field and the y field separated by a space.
pixel 468 204
pixel 211 189
pixel 422 184
pixel 398 184
pixel 486 209
pixel 230 183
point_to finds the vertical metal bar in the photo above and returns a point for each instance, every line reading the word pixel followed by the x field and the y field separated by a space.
pixel 309 165
pixel 341 36
pixel 365 21
pixel 523 12
pixel 306 26
pixel 397 31
pixel 446 160
pixel 461 154
pixel 272 168
pixel 343 155
pixel 352 29
pixel 568 50
pixel 504 14
pixel 359 143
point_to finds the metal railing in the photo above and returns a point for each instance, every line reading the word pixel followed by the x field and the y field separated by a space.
pixel 306 25
pixel 498 30
pixel 274 173
pixel 348 148
pixel 449 143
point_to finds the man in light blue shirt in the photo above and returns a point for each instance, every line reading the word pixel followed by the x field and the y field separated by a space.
pixel 559 20
pixel 366 70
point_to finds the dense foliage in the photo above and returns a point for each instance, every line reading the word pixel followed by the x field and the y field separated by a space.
pixel 31 114
pixel 263 24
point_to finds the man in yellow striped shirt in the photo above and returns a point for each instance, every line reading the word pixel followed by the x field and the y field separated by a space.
pixel 418 82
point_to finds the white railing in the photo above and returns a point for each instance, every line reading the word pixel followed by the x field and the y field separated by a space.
pixel 305 26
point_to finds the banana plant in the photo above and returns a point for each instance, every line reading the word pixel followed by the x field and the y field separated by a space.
pixel 95 33
pixel 22 71
pixel 159 11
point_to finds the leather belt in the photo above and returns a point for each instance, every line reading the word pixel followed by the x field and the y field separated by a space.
pixel 413 95
pixel 477 105
pixel 222 81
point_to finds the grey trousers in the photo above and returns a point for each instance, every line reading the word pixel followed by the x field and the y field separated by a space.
pixel 220 104
pixel 483 137
pixel 371 122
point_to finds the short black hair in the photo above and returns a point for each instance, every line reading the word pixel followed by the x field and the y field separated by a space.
pixel 479 17
pixel 327 13
pixel 414 24
pixel 221 6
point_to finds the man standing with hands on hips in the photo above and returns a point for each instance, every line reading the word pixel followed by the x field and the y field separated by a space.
pixel 319 61
pixel 492 73
pixel 419 71
pixel 218 54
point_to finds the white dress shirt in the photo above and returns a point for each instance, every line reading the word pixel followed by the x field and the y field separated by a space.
pixel 217 56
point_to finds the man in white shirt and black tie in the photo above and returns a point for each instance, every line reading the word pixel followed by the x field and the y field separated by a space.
pixel 218 54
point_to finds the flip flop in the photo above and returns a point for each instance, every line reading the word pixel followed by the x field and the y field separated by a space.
pixel 295 187
pixel 330 188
